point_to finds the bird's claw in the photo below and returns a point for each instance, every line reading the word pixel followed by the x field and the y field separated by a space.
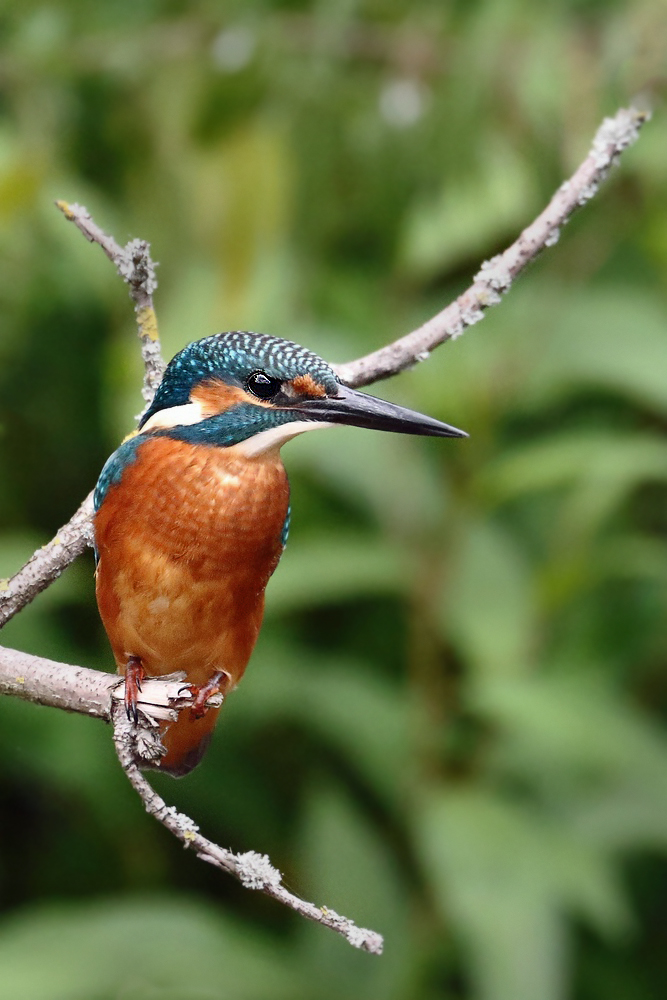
pixel 134 675
pixel 217 684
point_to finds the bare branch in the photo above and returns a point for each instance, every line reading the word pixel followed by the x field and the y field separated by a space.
pixel 85 691
pixel 495 276
pixel 94 693
pixel 253 870
pixel 58 685
pixel 47 563
pixel 100 695
pixel 492 281
pixel 137 269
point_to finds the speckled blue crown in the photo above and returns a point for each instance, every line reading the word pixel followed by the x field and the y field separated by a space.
pixel 233 357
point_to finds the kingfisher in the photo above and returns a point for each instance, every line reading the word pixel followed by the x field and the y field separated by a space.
pixel 192 514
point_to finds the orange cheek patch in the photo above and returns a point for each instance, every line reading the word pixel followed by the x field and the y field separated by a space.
pixel 215 396
pixel 305 385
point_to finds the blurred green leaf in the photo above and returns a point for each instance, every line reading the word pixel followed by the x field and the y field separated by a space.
pixel 326 571
pixel 361 467
pixel 612 464
pixel 600 470
pixel 614 338
pixel 166 948
pixel 471 212
pixel 363 716
pixel 506 877
pixel 602 761
pixel 489 607
pixel 347 866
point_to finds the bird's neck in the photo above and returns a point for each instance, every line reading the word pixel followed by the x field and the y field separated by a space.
pixel 230 428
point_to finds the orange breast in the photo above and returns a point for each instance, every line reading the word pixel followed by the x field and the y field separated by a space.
pixel 187 542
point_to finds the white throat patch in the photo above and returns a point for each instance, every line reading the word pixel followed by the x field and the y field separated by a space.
pixel 274 438
pixel 258 444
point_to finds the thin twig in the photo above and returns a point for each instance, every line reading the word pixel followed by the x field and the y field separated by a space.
pixel 495 276
pixel 46 564
pixel 137 269
pixel 253 870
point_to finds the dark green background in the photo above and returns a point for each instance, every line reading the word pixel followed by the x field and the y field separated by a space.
pixel 453 726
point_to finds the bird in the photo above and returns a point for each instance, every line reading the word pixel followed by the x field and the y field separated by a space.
pixel 192 513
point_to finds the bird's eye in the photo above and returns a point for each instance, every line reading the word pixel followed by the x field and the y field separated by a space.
pixel 262 385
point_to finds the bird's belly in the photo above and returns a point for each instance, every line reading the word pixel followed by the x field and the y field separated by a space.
pixel 176 622
pixel 187 542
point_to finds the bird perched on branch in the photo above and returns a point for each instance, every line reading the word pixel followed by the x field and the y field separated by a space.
pixel 192 514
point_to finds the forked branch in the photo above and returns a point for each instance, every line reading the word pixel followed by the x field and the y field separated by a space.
pixel 136 267
pixel 101 696
pixel 92 692
pixel 491 282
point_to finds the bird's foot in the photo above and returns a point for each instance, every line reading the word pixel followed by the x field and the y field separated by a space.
pixel 218 684
pixel 134 675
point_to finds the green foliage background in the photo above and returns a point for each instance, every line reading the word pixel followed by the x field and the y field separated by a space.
pixel 453 726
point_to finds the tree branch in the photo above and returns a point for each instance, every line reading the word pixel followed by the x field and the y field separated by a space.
pixel 495 276
pixel 491 282
pixel 95 693
pixel 137 269
pixel 253 870
pixel 100 695
pixel 58 685
pixel 88 692
pixel 46 564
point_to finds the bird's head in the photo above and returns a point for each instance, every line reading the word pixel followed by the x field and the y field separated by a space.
pixel 257 392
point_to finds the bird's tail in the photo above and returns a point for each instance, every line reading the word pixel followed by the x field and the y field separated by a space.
pixel 186 741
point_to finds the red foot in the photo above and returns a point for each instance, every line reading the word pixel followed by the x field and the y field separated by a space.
pixel 134 675
pixel 218 684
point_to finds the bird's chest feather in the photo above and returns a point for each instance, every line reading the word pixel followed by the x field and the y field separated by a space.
pixel 187 541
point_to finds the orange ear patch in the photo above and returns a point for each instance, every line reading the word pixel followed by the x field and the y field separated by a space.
pixel 215 396
pixel 305 385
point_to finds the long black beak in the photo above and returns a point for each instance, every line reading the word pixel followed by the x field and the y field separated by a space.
pixel 361 410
